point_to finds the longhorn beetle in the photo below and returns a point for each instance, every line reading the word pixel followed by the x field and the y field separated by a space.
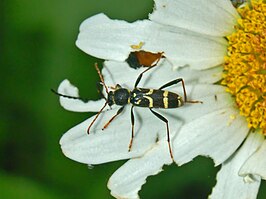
pixel 141 97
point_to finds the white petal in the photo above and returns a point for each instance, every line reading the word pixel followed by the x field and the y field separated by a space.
pixel 209 17
pixel 111 40
pixel 112 143
pixel 210 76
pixel 128 179
pixel 66 88
pixel 213 98
pixel 119 73
pixel 256 163
pixel 216 135
pixel 229 183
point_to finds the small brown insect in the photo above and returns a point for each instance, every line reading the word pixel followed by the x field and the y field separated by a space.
pixel 137 59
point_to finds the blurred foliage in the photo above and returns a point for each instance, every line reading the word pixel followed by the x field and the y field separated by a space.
pixel 37 52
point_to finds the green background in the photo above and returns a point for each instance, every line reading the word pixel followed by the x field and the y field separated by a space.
pixel 37 53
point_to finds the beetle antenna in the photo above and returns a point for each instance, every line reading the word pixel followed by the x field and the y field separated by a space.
pixel 101 77
pixel 69 96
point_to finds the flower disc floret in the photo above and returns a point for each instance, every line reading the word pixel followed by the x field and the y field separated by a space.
pixel 245 64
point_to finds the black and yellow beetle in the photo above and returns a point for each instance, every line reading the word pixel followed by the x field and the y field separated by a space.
pixel 140 97
pixel 143 97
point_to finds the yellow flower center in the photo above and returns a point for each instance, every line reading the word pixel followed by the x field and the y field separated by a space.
pixel 245 64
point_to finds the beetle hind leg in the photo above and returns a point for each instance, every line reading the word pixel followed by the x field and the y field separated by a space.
pixel 167 130
pixel 132 129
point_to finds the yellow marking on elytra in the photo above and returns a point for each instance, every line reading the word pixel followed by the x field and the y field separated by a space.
pixel 165 102
pixel 165 99
pixel 180 101
pixel 150 92
pixel 165 94
pixel 150 100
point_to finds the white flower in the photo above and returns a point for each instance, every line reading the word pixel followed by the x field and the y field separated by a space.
pixel 191 34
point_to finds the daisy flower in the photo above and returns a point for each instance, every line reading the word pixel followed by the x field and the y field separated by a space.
pixel 220 53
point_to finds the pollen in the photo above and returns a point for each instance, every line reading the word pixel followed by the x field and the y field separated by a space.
pixel 245 64
pixel 138 46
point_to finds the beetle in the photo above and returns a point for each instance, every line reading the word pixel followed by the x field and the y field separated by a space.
pixel 140 97
pixel 143 97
